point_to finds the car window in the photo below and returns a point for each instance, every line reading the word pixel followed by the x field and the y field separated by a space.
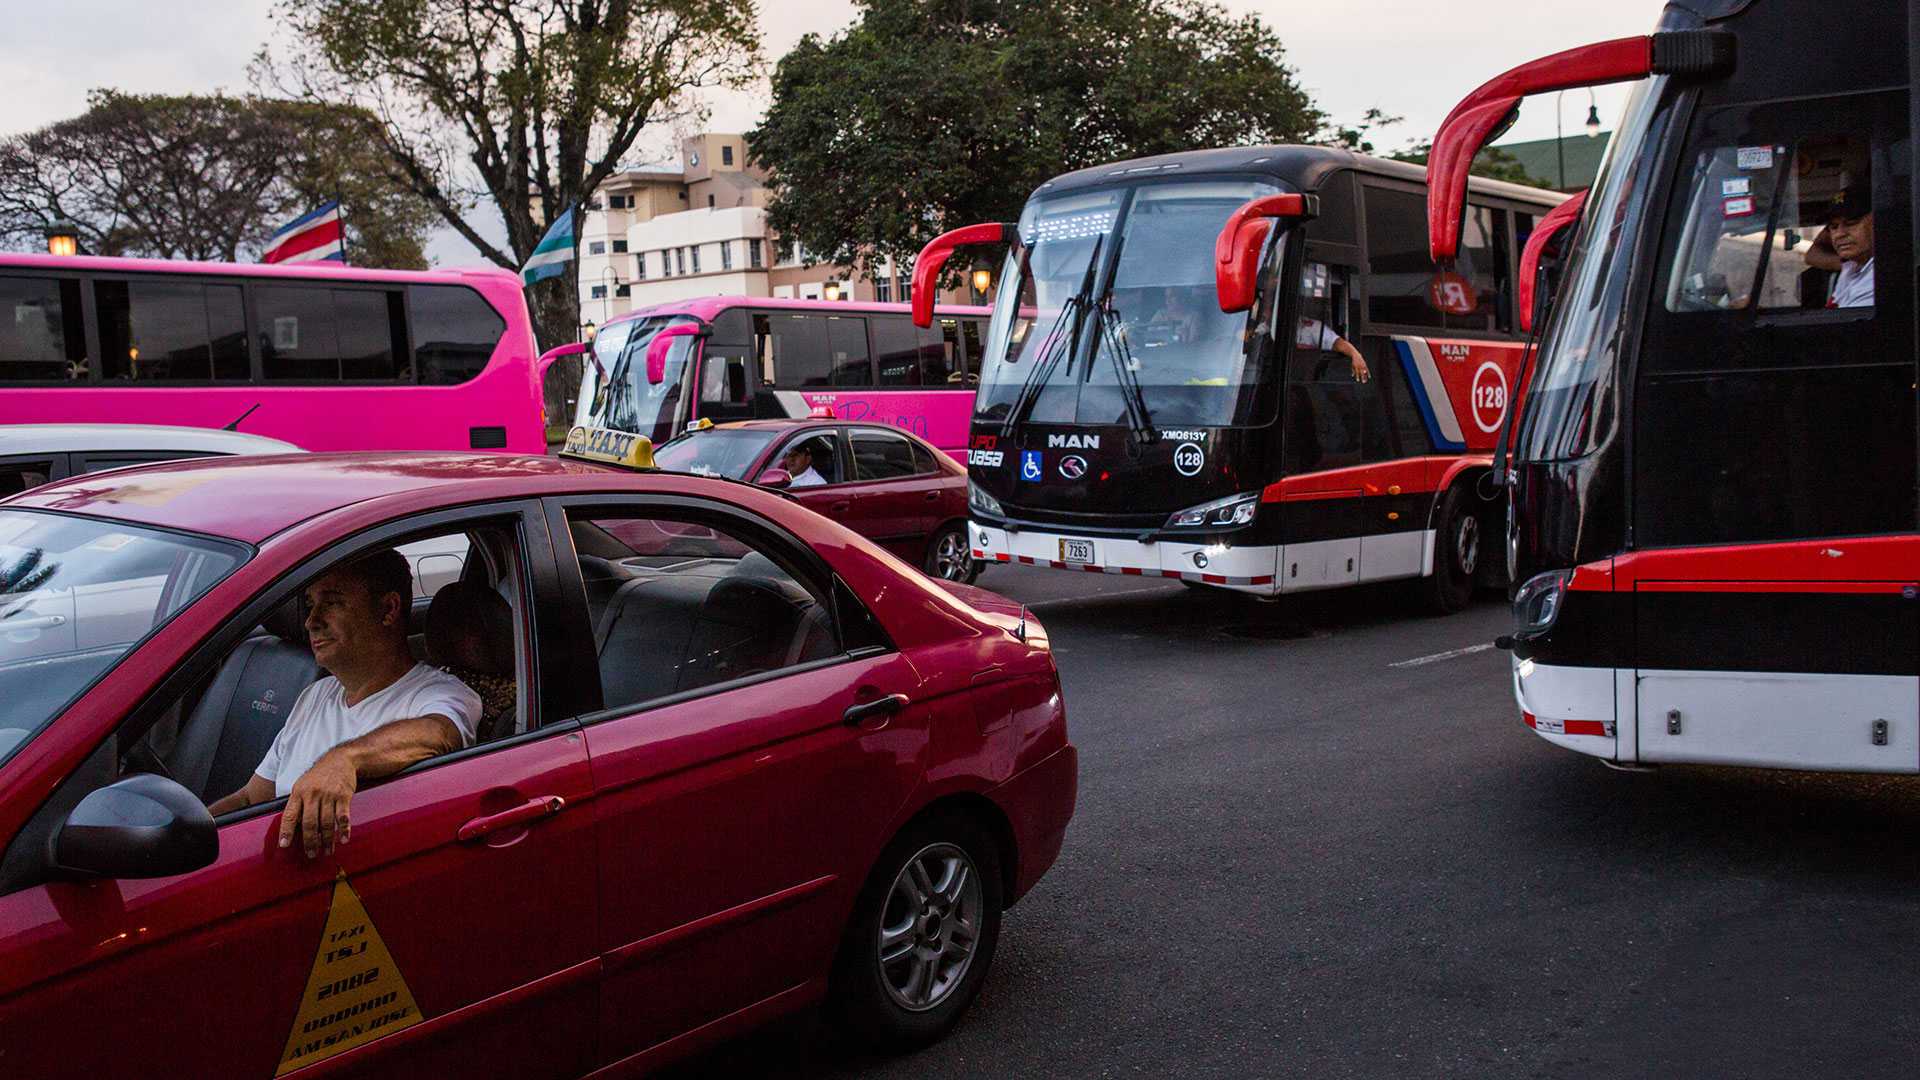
pixel 76 594
pixel 728 452
pixel 708 608
pixel 823 455
pixel 881 455
pixel 436 562
pixel 18 475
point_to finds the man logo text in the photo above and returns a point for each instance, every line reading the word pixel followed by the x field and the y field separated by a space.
pixel 1073 442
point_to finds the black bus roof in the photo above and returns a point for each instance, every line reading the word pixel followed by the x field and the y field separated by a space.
pixel 1306 168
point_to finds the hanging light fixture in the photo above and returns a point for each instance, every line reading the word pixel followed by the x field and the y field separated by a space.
pixel 1593 116
pixel 63 237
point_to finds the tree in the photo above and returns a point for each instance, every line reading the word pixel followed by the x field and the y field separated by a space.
pixel 525 105
pixel 930 114
pixel 205 177
pixel 1491 162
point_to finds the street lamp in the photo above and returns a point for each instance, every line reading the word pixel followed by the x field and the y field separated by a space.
pixel 982 277
pixel 1593 115
pixel 63 237
pixel 606 291
pixel 833 290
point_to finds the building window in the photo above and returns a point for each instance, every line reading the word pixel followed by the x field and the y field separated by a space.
pixel 906 291
pixel 599 292
pixel 666 263
pixel 753 254
pixel 709 202
pixel 696 258
pixel 623 289
pixel 679 260
pixel 726 155
pixel 883 290
pixel 726 254
pixel 620 247
pixel 593 203
pixel 597 247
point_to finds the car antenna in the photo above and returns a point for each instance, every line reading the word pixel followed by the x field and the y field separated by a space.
pixel 235 426
pixel 1021 630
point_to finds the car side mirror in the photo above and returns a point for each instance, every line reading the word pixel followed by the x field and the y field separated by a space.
pixel 775 478
pixel 144 826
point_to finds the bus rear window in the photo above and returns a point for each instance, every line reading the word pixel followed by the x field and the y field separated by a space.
pixel 455 332
pixel 171 331
pixel 315 334
pixel 41 335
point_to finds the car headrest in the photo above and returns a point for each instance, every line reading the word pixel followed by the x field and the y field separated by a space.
pixel 285 622
pixel 766 604
pixel 755 565
pixel 470 626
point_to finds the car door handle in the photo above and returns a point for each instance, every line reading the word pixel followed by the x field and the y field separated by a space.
pixel 878 709
pixel 841 507
pixel 527 811
pixel 40 622
pixel 933 496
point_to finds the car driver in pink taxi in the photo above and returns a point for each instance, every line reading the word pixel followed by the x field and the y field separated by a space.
pixel 377 711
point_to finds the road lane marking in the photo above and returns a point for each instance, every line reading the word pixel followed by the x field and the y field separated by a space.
pixel 1439 656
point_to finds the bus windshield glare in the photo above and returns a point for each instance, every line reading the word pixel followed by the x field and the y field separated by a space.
pixel 627 401
pixel 1111 299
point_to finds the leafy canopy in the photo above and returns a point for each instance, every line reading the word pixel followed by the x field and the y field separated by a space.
pixel 931 114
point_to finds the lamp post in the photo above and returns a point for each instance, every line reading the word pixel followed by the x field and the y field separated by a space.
pixel 606 291
pixel 63 237
pixel 832 290
pixel 982 280
pixel 1593 114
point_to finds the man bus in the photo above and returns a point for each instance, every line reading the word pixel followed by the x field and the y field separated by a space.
pixel 1238 368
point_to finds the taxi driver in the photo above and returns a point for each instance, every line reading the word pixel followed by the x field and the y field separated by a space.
pixel 376 713
pixel 799 465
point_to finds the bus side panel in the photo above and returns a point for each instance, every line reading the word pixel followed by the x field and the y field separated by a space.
pixel 1460 387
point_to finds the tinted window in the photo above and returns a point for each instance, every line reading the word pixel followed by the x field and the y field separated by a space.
pixel 1404 287
pixel 455 331
pixel 18 476
pixel 41 338
pixel 941 362
pixel 880 455
pixel 812 350
pixel 152 331
pixel 896 345
pixel 310 333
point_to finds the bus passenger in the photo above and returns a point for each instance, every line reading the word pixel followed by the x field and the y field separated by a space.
pixel 377 711
pixel 1846 245
pixel 1314 334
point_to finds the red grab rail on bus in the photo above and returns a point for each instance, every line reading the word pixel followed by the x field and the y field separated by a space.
pixel 926 268
pixel 1236 251
pixel 1492 108
pixel 1564 216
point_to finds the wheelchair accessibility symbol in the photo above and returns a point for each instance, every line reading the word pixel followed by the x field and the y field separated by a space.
pixel 1029 464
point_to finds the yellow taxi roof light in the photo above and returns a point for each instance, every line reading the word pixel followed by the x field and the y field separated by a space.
pixel 609 447
pixel 701 424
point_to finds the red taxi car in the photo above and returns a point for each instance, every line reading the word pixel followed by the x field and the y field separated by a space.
pixel 891 487
pixel 758 765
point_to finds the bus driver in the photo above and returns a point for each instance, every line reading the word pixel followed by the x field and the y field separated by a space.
pixel 376 713
pixel 1846 245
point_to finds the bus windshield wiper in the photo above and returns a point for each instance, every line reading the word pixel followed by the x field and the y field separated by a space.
pixel 1126 375
pixel 1057 343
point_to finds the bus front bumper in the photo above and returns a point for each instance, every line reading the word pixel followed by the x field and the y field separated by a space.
pixel 1245 569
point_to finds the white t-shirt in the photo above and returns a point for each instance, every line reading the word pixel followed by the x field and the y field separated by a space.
pixel 1314 334
pixel 321 718
pixel 1855 287
pixel 809 478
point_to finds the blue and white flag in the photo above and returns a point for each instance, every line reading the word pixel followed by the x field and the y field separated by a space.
pixel 554 251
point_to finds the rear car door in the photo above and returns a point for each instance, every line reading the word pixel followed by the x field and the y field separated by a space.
pixel 452 936
pixel 894 504
pixel 739 808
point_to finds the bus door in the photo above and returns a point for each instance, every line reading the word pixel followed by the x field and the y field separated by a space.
pixel 1776 576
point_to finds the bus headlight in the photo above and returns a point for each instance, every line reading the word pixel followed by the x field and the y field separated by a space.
pixel 1537 603
pixel 983 502
pixel 1229 513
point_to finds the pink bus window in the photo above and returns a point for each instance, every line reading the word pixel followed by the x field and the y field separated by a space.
pixel 41 334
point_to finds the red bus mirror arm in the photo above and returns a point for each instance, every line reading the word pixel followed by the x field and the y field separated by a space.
pixel 662 341
pixel 1564 216
pixel 1236 251
pixel 1487 112
pixel 547 358
pixel 926 268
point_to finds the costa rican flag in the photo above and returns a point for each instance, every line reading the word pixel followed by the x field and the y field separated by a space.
pixel 315 237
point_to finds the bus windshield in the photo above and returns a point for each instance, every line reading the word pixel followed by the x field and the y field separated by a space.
pixel 1563 399
pixel 1113 299
pixel 626 401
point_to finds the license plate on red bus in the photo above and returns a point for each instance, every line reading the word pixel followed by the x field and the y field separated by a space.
pixel 1076 551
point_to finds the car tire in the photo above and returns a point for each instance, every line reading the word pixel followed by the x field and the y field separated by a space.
pixel 922 936
pixel 950 555
pixel 1458 550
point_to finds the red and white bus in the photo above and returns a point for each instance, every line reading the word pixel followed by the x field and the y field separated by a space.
pixel 1714 487
pixel 323 356
pixel 1238 368
pixel 720 358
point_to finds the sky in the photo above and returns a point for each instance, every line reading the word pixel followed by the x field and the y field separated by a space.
pixel 1408 58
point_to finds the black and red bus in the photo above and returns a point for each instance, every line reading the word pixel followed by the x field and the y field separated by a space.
pixel 1239 368
pixel 1713 486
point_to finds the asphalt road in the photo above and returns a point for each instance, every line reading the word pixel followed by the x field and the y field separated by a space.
pixel 1293 858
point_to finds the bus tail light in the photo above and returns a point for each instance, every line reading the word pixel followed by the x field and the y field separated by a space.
pixel 926 268
pixel 1536 604
pixel 1491 109
pixel 1236 252
pixel 1560 217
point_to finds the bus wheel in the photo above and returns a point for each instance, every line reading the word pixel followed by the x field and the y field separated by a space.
pixel 1456 555
pixel 949 557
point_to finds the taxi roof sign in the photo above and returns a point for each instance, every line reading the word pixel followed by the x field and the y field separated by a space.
pixel 609 447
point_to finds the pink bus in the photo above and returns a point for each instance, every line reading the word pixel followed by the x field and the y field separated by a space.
pixel 323 356
pixel 749 358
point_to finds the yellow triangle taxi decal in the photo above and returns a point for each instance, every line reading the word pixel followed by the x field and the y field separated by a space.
pixel 355 993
